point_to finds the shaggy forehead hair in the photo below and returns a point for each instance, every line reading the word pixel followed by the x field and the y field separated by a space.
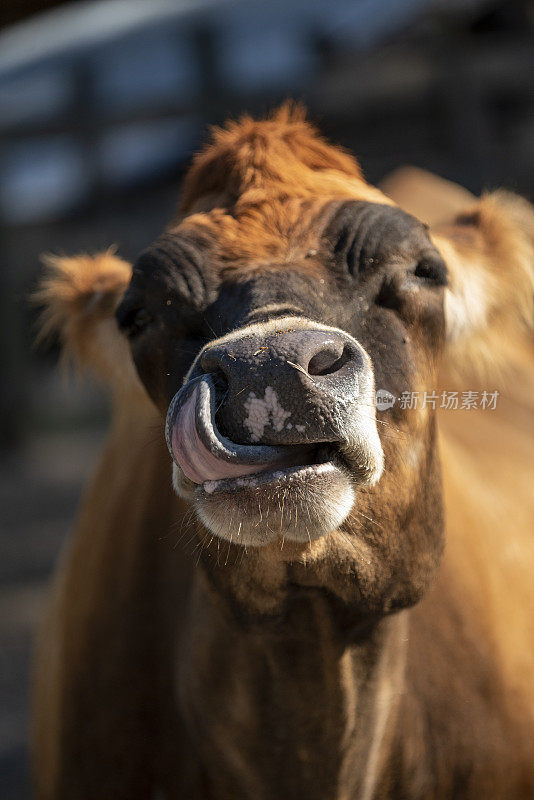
pixel 258 188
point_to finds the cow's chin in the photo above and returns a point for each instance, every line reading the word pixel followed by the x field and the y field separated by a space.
pixel 299 503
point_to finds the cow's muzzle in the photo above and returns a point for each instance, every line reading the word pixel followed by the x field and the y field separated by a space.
pixel 287 404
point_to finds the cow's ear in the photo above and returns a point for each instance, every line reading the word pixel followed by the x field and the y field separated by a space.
pixel 78 296
pixel 428 197
pixel 489 251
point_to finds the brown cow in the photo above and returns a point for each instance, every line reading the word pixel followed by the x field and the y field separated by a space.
pixel 286 623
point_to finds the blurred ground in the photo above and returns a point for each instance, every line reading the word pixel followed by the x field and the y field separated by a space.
pixel 40 486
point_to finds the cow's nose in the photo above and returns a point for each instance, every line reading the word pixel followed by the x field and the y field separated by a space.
pixel 317 353
pixel 286 386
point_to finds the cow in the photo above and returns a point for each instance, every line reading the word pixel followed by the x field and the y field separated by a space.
pixel 327 596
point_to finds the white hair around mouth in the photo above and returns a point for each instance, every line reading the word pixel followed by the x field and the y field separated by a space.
pixel 300 506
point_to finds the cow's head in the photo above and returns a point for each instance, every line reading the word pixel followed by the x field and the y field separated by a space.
pixel 262 324
pixel 262 328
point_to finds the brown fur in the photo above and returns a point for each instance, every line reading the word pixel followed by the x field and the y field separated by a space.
pixel 273 176
pixel 459 721
pixel 431 199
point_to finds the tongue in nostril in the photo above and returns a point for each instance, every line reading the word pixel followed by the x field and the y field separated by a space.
pixel 192 455
pixel 203 453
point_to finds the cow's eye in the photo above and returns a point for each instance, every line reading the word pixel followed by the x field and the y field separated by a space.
pixel 133 321
pixel 432 268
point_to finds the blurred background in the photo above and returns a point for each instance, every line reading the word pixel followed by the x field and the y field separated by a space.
pixel 102 104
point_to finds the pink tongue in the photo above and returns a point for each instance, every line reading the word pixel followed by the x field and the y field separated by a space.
pixel 196 461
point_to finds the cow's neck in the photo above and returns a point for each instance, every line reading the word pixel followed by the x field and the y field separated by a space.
pixel 300 709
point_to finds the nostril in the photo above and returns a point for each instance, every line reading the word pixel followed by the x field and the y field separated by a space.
pixel 220 384
pixel 328 360
pixel 212 363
